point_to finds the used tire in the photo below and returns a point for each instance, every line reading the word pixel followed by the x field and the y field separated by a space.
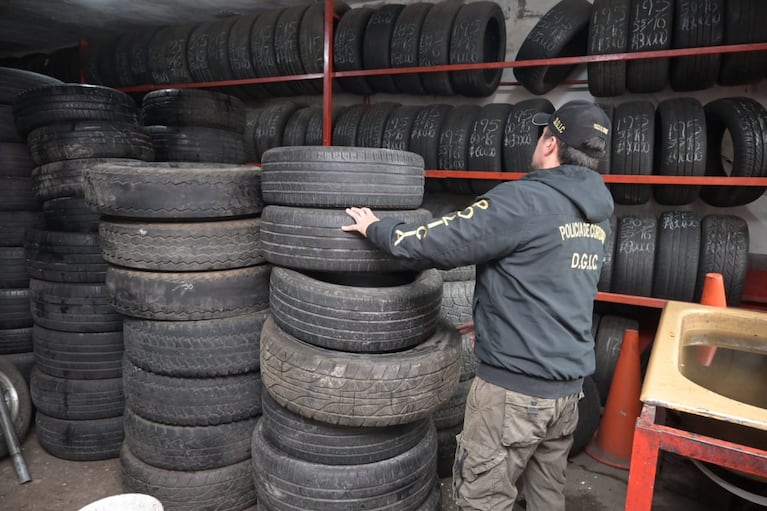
pixel 404 46
pixel 70 214
pixel 291 371
pixel 742 25
pixel 196 144
pixel 454 139
pixel 434 46
pixel 372 124
pixel 608 33
pixel 348 46
pixel 60 179
pixel 676 256
pixel 478 35
pixel 73 307
pixel 633 143
pixel 396 133
pixel 193 107
pixel 58 256
pixel 634 255
pixel 651 24
pixel 486 144
pixel 457 301
pixel 606 274
pixel 607 347
pixel 14 224
pixel 15 340
pixel 80 440
pixel 13 268
pixel 376 46
pixel 78 355
pixel 426 132
pixel 76 399
pixel 696 23
pixel 15 81
pixel 724 249
pixel 14 308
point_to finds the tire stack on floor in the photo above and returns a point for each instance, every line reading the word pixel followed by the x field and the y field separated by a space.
pixel 354 358
pixel 195 125
pixel 76 383
pixel 185 268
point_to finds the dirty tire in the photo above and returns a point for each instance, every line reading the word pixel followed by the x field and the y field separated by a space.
pixel 166 54
pixel 311 239
pixel 676 256
pixel 368 391
pixel 376 46
pixel 239 55
pixel 196 144
pixel 317 442
pixel 632 149
pixel 451 413
pixel 334 177
pixel 195 349
pixel 78 355
pixel 76 399
pixel 746 121
pixel 696 23
pixel 607 347
pixel 12 383
pixel 16 194
pixel 60 179
pixel 14 81
pixel 381 313
pixel 58 256
pixel 188 295
pixel 80 440
pixel 608 33
pixel 228 488
pixel 192 448
pixel 73 307
pixel 14 224
pixel 635 249
pixel 606 274
pixel 70 214
pixel 348 46
pixel 399 483
pixel 478 35
pixel 191 401
pixel 286 47
pixel 295 128
pixel 724 249
pixel 13 268
pixel 434 46
pixel 195 246
pixel 269 130
pixel 174 190
pixel 15 340
pixel 561 32
pixel 589 412
pixel 15 159
pixel 651 25
pixel 14 308
pixel 457 301
pixel 192 107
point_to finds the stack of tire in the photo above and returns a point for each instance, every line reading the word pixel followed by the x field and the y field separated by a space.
pixel 19 210
pixel 195 125
pixel 578 27
pixel 186 270
pixel 354 357
pixel 668 257
pixel 76 383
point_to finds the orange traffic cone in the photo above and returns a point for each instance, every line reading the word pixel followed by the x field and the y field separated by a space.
pixel 613 441
pixel 713 295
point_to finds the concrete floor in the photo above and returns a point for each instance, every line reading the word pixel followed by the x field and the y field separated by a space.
pixel 59 485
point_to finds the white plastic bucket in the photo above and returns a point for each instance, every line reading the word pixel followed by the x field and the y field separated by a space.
pixel 125 502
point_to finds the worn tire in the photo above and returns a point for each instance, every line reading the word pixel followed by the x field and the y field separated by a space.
pixel 14 308
pixel 60 179
pixel 404 46
pixel 13 268
pixel 632 151
pixel 76 399
pixel 269 130
pixel 14 224
pixel 426 132
pixel 80 440
pixel 15 159
pixel 724 249
pixel 676 256
pixel 478 35
pixel 372 123
pixel 457 301
pixel 346 126
pixel 635 255
pixel 192 107
pixel 15 340
pixel 434 46
pixel 16 194
pixel 451 413
pixel 58 256
pixel 311 42
pixel 78 355
pixel 196 144
pixel 70 214
pixel 73 307
pixel 14 81
pixel 368 390
pixel 166 54
pixel 348 44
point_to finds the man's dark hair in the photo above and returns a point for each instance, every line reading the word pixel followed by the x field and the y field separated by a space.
pixel 588 156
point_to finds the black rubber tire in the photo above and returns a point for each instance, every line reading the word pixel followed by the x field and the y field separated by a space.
pixel 606 273
pixel 311 44
pixel 197 53
pixel 454 139
pixel 239 54
pixel 14 81
pixel 15 160
pixel 478 35
pixel 12 383
pixel 311 239
pixel 13 268
pixel 15 340
pixel 14 308
pixel 16 194
pixel 183 447
pixel 317 442
pixel 195 349
pixel 632 151
pixel 263 52
pixel 607 347
pixel 400 483
pixel 608 33
pixel 228 488
pixel 121 56
pixel 295 129
pixel 192 107
pixel 589 412
pixel 651 23
pixel 451 413
pixel 139 56
pixel 89 139
pixel 605 164
pixel 188 295
pixel 446 447
pixel 680 148
pixel 167 54
pixel 287 47
pixel 191 401
pixel 746 121
pixel 376 314
pixel 78 355
pixel 8 131
pixel 315 127
pixel 80 440
pixel 561 32
pixel 676 256
pixel 14 224
pixel 457 301
pixel 376 46
pixel 346 126
pixel 270 129
pixel 367 389
pixel 404 46
pixel 196 144
pixel 65 178
pixel 72 307
pixel 174 190
pixel 742 24
pixel 70 214
pixel 372 123
pixel 521 136
pixel 434 46
pixel 696 23
pixel 396 134
pixel 635 255
pixel 486 144
pixel 426 132
pixel 348 43
pixel 76 399
pixel 724 249
pixel 337 177
pixel 70 102
pixel 197 246
pixel 57 256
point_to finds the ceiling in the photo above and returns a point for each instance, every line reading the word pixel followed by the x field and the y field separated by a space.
pixel 28 26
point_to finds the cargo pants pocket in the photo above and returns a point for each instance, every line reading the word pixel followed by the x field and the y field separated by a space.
pixel 478 472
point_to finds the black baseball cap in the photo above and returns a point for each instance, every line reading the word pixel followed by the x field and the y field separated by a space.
pixel 575 122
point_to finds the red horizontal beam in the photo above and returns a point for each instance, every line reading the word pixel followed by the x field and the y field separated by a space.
pixel 222 83
pixel 642 301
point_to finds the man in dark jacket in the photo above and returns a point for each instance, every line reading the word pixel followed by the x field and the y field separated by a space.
pixel 538 244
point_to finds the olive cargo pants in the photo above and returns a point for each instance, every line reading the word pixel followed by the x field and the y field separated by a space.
pixel 510 440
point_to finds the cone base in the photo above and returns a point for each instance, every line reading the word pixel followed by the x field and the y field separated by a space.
pixel 606 458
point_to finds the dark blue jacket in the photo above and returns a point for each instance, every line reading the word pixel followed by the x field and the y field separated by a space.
pixel 538 244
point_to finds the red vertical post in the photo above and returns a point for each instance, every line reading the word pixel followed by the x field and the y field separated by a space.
pixel 644 463
pixel 327 76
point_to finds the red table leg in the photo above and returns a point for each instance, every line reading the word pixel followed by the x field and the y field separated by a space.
pixel 644 463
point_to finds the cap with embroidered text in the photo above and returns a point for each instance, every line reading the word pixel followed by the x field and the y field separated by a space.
pixel 576 122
